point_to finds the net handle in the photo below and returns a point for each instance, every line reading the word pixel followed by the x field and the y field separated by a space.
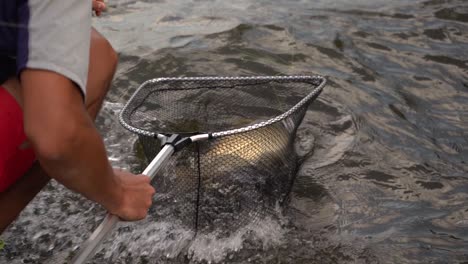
pixel 90 246
pixel 310 97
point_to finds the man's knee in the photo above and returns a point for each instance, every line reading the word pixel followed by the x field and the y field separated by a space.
pixel 102 55
pixel 111 57
pixel 102 66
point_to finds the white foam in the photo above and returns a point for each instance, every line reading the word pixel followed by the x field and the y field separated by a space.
pixel 158 240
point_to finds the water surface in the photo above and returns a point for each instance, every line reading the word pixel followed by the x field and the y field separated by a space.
pixel 384 150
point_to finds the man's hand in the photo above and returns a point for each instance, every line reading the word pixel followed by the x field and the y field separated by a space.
pixel 99 6
pixel 135 197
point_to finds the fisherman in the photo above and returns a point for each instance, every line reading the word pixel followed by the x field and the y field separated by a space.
pixel 55 70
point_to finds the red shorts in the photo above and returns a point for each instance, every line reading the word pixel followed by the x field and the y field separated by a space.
pixel 16 157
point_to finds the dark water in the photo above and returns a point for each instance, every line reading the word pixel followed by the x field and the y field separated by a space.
pixel 384 149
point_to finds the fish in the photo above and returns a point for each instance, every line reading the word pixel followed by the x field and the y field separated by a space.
pixel 266 146
pixel 228 182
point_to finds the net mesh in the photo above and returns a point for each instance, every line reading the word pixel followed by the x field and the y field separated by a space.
pixel 233 179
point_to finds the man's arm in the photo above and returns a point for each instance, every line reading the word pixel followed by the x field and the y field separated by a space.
pixel 71 150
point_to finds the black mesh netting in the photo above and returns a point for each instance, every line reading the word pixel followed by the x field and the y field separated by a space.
pixel 229 181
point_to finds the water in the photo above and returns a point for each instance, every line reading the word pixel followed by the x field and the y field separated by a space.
pixel 384 149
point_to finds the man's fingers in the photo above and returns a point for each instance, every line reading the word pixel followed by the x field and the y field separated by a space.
pixel 95 5
pixel 98 6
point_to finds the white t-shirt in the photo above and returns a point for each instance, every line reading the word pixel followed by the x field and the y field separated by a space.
pixel 49 35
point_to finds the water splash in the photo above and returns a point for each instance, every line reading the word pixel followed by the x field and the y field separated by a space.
pixel 151 240
pixel 208 247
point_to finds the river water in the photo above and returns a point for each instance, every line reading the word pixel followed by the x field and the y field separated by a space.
pixel 384 149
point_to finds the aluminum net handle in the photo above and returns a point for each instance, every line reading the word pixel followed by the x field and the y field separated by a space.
pixel 300 104
pixel 91 245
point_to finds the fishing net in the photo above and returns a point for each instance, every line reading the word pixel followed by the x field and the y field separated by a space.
pixel 247 166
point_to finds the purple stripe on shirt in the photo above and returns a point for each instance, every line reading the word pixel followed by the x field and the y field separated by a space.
pixel 8 27
pixel 8 37
pixel 23 35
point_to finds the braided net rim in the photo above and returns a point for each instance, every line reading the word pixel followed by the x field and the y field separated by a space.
pixel 312 95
